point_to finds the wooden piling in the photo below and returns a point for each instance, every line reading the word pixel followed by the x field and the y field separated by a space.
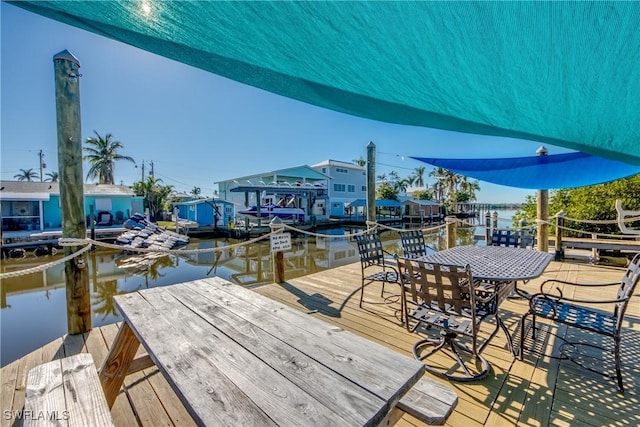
pixel 542 208
pixel 487 228
pixel 451 222
pixel 278 257
pixel 371 182
pixel 67 90
pixel 559 255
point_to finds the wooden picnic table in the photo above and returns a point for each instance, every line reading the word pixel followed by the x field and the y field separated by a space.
pixel 235 358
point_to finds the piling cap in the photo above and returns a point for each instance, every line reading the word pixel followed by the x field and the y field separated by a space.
pixel 65 55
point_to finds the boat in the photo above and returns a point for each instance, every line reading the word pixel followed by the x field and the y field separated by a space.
pixel 271 211
pixel 142 233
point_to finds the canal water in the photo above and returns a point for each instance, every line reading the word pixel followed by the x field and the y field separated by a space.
pixel 33 306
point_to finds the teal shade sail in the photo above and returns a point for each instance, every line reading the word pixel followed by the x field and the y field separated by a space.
pixel 556 171
pixel 563 73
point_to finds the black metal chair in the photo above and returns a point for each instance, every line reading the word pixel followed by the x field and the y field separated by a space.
pixel 375 266
pixel 507 238
pixel 445 297
pixel 562 309
pixel 513 239
pixel 412 242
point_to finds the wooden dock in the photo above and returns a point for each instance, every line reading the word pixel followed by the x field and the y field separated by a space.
pixel 538 391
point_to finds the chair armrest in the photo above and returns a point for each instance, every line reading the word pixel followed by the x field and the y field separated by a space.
pixel 391 255
pixel 562 298
pixel 595 285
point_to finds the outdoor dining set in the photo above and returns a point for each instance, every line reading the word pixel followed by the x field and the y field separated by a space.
pixel 447 295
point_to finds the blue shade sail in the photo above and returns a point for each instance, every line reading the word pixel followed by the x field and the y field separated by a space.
pixel 563 73
pixel 556 171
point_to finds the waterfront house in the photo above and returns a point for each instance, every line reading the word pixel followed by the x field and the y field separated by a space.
pixel 300 186
pixel 35 206
pixel 385 209
pixel 209 212
pixel 426 210
pixel 348 183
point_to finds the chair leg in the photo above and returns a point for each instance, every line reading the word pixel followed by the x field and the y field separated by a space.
pixel 448 339
pixel 361 293
pixel 618 363
pixel 522 335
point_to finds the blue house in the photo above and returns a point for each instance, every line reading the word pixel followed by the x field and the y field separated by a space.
pixel 210 212
pixel 35 206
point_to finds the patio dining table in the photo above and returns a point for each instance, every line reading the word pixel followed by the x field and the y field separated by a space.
pixel 235 357
pixel 495 263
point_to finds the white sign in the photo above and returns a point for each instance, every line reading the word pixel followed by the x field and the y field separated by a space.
pixel 281 242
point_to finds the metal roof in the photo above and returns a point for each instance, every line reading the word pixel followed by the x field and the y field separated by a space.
pixel 29 190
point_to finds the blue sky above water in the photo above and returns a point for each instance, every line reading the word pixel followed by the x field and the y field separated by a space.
pixel 196 127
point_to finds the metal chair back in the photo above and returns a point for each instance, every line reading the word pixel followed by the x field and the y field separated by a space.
pixel 445 297
pixel 370 250
pixel 506 238
pixel 412 242
pixel 628 284
pixel 443 288
pixel 373 264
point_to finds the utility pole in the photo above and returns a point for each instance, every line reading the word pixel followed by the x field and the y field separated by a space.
pixel 143 171
pixel 43 165
pixel 151 174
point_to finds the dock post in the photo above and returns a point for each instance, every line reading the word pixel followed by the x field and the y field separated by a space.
pixel 559 255
pixel 278 263
pixel 371 183
pixel 487 228
pixel 92 222
pixel 67 90
pixel 542 208
pixel 451 230
pixel 494 220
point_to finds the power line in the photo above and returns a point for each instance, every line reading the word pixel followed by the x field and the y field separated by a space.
pixel 394 166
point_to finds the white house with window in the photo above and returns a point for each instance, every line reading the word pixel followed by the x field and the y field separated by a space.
pixel 348 183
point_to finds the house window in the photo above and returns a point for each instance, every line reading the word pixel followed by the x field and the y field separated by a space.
pixel 351 188
pixel 103 205
pixel 324 170
pixel 342 170
pixel 339 188
pixel 364 188
pixel 20 215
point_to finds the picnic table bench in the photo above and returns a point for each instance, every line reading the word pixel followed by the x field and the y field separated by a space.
pixel 65 392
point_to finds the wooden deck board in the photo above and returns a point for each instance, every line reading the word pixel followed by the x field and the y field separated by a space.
pixel 538 391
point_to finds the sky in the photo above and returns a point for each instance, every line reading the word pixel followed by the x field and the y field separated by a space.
pixel 196 127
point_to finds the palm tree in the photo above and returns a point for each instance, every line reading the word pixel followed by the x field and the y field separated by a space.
pixel 195 191
pixel 419 175
pixel 52 176
pixel 102 154
pixel 26 175
pixel 154 194
pixel 469 188
pixel 439 175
